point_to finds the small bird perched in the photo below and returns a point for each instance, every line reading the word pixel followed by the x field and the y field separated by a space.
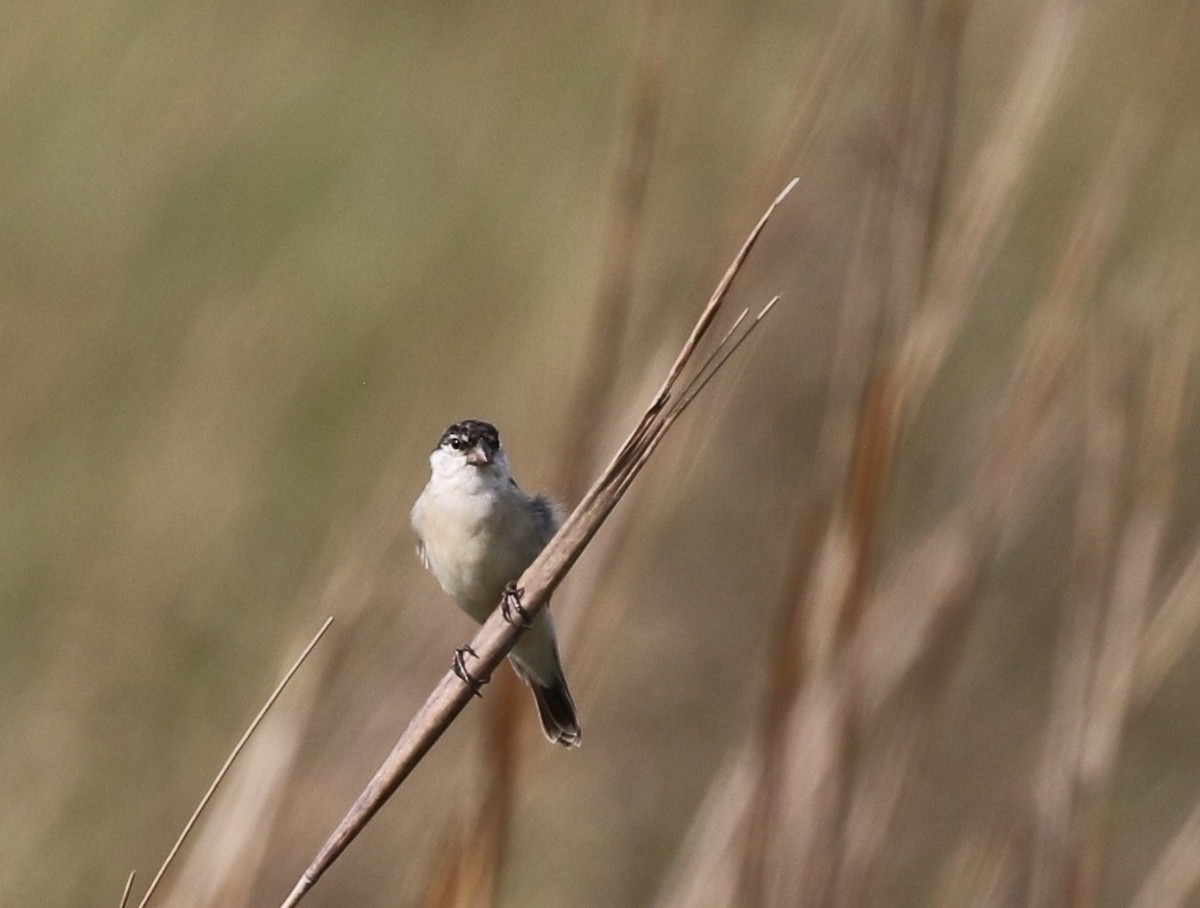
pixel 477 533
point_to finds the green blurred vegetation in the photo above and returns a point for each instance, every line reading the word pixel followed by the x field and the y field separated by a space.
pixel 257 255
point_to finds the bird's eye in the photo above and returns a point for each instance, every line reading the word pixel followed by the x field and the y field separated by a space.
pixel 456 444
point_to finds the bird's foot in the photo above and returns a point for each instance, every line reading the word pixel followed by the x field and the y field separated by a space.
pixel 512 609
pixel 460 669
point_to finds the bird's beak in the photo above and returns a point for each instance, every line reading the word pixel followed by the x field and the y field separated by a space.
pixel 479 455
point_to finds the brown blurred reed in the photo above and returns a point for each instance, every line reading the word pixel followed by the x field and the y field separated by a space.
pixel 806 814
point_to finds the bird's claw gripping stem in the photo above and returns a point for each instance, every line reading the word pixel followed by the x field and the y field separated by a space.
pixel 460 669
pixel 510 606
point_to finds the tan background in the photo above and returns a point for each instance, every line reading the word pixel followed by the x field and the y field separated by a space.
pixel 255 256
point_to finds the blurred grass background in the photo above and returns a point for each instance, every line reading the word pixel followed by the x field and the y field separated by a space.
pixel 256 256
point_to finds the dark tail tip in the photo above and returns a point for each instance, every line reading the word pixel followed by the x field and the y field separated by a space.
pixel 556 709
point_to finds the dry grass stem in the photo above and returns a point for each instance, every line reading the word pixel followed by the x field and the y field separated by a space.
pixel 227 852
pixel 815 96
pixel 872 805
pixel 1172 629
pixel 128 887
pixel 1055 790
pixel 853 346
pixel 833 752
pixel 1176 874
pixel 825 748
pixel 921 135
pixel 891 254
pixel 785 672
pixel 830 605
pixel 1137 558
pixel 957 551
pixel 982 872
pixel 969 236
pixel 497 636
pixel 719 832
pixel 623 234
pixel 728 345
pixel 233 754
pixel 469 865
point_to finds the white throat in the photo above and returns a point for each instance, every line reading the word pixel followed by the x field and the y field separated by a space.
pixel 450 473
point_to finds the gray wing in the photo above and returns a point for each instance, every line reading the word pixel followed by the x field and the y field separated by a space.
pixel 416 520
pixel 548 515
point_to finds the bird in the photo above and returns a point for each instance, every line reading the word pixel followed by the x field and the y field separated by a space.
pixel 477 532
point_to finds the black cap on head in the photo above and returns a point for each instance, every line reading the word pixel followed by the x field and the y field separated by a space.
pixel 467 434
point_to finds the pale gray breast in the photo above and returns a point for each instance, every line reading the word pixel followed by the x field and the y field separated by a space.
pixel 476 544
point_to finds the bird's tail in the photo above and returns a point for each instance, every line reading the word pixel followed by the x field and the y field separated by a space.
pixel 556 709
